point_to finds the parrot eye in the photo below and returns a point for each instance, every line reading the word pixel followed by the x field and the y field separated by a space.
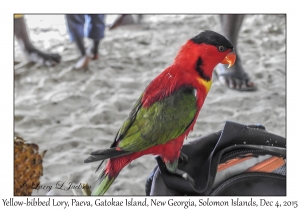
pixel 222 48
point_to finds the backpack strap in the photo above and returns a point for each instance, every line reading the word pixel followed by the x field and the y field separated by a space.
pixel 205 153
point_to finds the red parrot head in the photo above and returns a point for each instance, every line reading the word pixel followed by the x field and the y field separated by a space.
pixel 204 51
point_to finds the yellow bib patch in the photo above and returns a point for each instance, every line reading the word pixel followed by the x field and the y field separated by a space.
pixel 206 84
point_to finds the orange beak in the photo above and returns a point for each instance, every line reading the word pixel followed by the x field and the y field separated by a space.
pixel 229 59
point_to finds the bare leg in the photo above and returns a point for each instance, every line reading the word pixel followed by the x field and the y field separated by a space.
pixel 92 51
pixel 30 52
pixel 95 31
pixel 83 61
pixel 234 77
pixel 76 31
pixel 125 19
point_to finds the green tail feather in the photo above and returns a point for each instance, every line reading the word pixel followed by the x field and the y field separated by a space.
pixel 103 183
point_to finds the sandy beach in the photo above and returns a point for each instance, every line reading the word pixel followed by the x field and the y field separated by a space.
pixel 71 112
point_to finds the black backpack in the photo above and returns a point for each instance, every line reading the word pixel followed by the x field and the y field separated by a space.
pixel 240 160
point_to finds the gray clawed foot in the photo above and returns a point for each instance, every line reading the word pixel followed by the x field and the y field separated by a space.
pixel 190 179
pixel 172 167
pixel 183 157
pixel 186 176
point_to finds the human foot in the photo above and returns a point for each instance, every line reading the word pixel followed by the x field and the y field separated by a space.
pixel 30 52
pixel 39 57
pixel 82 63
pixel 92 50
pixel 235 77
pixel 91 53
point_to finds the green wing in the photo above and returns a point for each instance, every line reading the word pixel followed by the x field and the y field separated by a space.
pixel 161 122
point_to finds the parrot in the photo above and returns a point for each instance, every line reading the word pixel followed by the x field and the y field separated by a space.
pixel 167 110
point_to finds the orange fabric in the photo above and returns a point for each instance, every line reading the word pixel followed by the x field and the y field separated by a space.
pixel 232 162
pixel 269 165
